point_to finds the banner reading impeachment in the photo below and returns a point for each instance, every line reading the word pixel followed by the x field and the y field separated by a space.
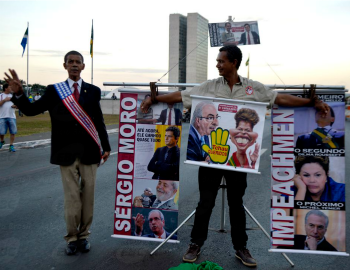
pixel 308 178
pixel 147 184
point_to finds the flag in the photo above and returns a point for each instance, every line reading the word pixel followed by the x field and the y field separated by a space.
pixel 24 41
pixel 92 41
pixel 247 63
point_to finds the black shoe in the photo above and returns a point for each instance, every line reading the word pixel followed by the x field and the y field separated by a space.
pixel 244 255
pixel 192 253
pixel 84 245
pixel 71 248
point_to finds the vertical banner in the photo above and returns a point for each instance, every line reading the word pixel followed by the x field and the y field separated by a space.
pixel 226 134
pixel 308 178
pixel 234 33
pixel 147 184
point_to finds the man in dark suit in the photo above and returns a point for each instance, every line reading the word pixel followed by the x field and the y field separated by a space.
pixel 204 120
pixel 324 136
pixel 249 37
pixel 170 116
pixel 166 159
pixel 316 223
pixel 72 147
pixel 156 223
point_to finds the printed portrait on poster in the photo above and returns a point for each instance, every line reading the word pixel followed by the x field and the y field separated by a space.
pixel 153 223
pixel 234 33
pixel 310 230
pixel 160 114
pixel 318 230
pixel 158 148
pixel 318 134
pixel 225 134
pixel 319 179
pixel 159 194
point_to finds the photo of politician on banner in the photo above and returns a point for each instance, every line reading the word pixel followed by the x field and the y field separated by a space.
pixel 234 33
pixel 147 186
pixel 320 135
pixel 226 134
pixel 308 178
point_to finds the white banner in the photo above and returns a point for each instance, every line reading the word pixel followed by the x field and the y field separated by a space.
pixel 226 134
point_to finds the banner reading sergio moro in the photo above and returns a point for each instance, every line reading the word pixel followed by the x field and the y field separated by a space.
pixel 147 184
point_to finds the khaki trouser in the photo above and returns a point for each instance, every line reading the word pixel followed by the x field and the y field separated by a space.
pixel 79 187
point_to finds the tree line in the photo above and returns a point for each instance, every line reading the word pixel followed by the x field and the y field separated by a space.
pixel 34 88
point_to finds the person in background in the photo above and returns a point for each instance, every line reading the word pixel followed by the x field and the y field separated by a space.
pixel 7 117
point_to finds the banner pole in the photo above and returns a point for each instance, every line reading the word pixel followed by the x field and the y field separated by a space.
pixel 268 236
pixel 28 60
pixel 178 228
pixel 223 189
pixel 92 51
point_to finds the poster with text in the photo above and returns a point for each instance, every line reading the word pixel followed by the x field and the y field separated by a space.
pixel 234 33
pixel 308 178
pixel 147 184
pixel 226 134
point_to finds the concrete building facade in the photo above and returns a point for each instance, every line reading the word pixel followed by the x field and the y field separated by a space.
pixel 188 36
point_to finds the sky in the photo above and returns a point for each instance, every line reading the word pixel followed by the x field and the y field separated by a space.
pixel 302 41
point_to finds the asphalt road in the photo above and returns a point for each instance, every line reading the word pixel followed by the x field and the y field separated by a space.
pixel 32 224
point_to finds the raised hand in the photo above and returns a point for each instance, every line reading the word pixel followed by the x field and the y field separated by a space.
pixel 139 221
pixel 14 82
pixel 218 153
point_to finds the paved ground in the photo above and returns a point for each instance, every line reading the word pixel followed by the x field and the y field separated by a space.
pixel 32 224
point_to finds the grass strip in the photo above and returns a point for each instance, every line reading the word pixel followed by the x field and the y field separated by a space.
pixel 28 125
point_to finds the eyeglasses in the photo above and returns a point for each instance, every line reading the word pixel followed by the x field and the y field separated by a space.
pixel 210 118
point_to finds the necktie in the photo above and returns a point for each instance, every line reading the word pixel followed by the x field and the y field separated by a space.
pixel 202 143
pixel 166 154
pixel 248 37
pixel 76 92
pixel 169 117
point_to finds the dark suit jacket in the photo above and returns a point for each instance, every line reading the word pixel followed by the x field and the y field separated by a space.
pixel 152 235
pixel 178 116
pixel 299 243
pixel 194 147
pixel 244 41
pixel 69 140
pixel 308 141
pixel 165 169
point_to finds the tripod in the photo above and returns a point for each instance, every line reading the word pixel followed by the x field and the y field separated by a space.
pixel 222 222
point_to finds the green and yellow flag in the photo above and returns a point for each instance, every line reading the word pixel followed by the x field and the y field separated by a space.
pixel 247 63
pixel 92 41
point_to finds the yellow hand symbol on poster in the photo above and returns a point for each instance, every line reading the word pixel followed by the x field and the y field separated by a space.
pixel 218 153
